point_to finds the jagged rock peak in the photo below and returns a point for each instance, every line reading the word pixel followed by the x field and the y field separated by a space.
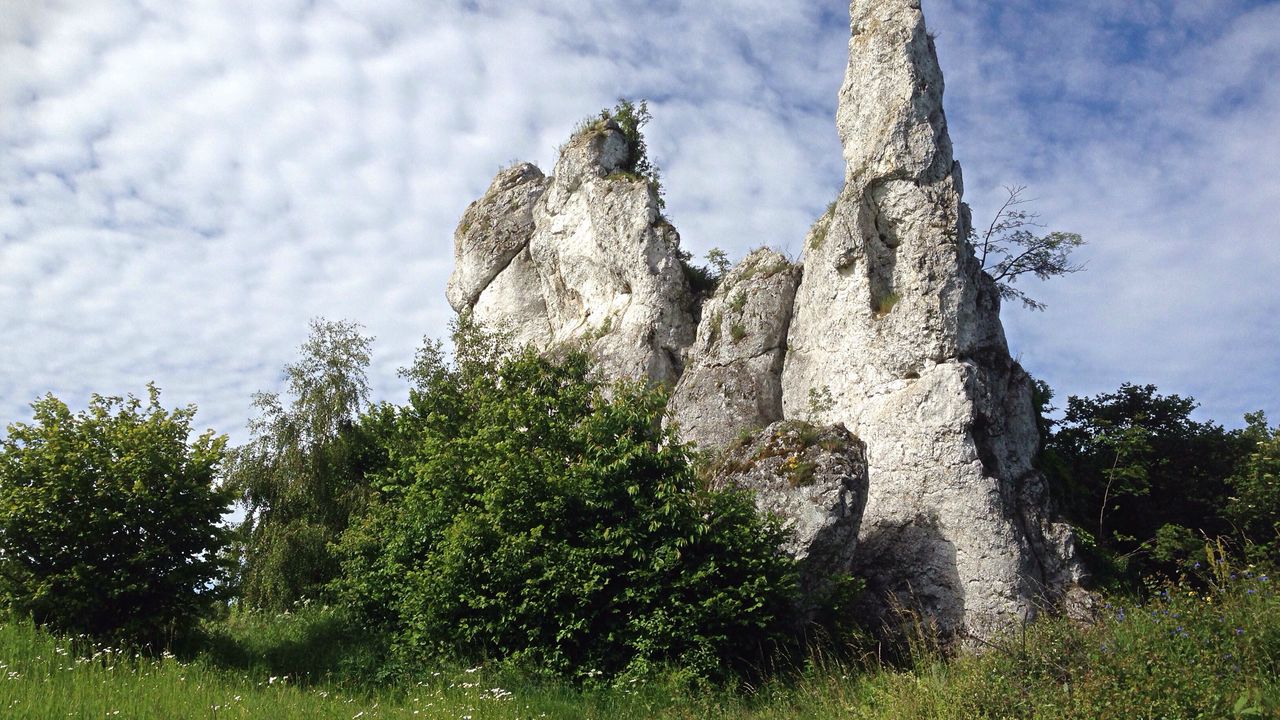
pixel 493 230
pixel 896 323
pixel 599 148
pixel 733 373
pixel 890 115
pixel 583 258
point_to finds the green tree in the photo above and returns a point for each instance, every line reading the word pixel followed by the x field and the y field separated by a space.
pixel 110 522
pixel 300 477
pixel 632 117
pixel 1141 480
pixel 532 513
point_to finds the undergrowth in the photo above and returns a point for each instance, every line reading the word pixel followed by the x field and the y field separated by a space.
pixel 1205 647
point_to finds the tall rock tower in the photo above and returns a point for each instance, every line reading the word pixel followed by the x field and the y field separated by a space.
pixel 895 318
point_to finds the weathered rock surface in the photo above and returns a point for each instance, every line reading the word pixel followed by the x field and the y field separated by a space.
pixel 581 258
pixel 896 319
pixel 493 230
pixel 733 373
pixel 609 263
pixel 815 479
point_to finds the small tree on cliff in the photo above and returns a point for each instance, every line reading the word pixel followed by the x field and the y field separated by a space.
pixel 1010 248
pixel 630 117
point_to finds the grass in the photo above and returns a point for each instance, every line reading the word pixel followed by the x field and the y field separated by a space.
pixel 818 233
pixel 884 304
pixel 1208 647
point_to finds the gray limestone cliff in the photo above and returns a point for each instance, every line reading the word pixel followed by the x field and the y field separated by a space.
pixel 892 330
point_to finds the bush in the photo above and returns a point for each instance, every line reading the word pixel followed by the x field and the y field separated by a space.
pixel 539 516
pixel 109 520
pixel 1254 507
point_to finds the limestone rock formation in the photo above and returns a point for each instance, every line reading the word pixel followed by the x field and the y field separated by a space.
pixel 897 320
pixel 733 373
pixel 584 257
pixel 894 330
pixel 815 479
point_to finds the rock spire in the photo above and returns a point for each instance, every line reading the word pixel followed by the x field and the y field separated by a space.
pixel 897 321
pixel 583 257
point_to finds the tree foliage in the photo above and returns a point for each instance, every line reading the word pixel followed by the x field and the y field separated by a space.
pixel 531 513
pixel 1010 249
pixel 110 520
pixel 1254 505
pixel 1143 482
pixel 300 475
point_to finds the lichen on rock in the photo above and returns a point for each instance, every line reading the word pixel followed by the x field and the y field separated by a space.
pixel 815 480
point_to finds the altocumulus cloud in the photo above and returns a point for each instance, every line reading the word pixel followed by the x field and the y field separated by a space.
pixel 183 185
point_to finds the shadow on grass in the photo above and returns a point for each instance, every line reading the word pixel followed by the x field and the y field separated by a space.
pixel 306 647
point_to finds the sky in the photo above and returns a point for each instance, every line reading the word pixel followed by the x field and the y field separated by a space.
pixel 183 186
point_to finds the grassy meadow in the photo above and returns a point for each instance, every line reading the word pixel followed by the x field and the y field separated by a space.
pixel 1208 647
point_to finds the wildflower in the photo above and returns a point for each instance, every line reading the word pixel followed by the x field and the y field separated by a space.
pixel 1239 631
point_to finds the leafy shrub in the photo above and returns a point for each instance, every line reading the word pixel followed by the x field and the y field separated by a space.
pixel 109 519
pixel 1254 506
pixel 533 514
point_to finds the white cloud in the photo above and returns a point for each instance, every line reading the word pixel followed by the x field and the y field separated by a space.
pixel 183 185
